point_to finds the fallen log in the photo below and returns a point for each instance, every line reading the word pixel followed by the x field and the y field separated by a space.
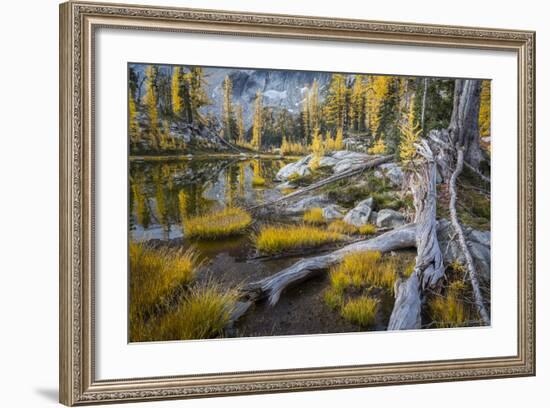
pixel 328 180
pixel 402 238
pixel 273 286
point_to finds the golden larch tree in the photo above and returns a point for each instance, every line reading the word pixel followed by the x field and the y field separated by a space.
pixel 376 94
pixel 177 101
pixel 357 103
pixel 336 102
pixel 410 135
pixel 151 102
pixel 227 108
pixel 317 148
pixel 240 125
pixel 339 140
pixel 379 147
pixel 132 119
pixel 329 141
pixel 197 93
pixel 258 122
pixel 485 109
pixel 313 106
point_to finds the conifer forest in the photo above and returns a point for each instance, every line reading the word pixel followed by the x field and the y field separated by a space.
pixel 275 202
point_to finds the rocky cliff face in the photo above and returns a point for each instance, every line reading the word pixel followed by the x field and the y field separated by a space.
pixel 282 89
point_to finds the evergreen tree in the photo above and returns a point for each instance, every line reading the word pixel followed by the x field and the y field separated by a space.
pixel 438 111
pixel 133 125
pixel 378 88
pixel 357 104
pixel 228 117
pixel 339 140
pixel 336 102
pixel 257 125
pixel 317 148
pixel 240 125
pixel 284 123
pixel 197 94
pixel 187 103
pixel 164 92
pixel 177 102
pixel 133 79
pixel 379 147
pixel 410 134
pixel 313 106
pixel 151 100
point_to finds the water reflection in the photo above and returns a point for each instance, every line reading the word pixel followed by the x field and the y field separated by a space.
pixel 163 192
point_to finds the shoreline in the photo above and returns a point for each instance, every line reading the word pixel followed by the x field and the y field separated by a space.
pixel 215 155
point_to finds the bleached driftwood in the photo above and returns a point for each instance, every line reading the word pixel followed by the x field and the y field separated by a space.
pixel 272 286
pixel 464 125
pixel 428 270
pixel 328 180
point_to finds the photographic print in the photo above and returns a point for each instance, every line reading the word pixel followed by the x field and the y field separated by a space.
pixel 276 202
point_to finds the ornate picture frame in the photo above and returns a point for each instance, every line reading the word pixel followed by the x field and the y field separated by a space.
pixel 78 24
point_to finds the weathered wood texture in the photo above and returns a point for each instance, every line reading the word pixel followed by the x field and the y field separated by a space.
pixel 464 125
pixel 328 180
pixel 272 286
pixel 429 269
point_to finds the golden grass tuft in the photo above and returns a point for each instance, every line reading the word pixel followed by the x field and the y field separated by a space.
pixel 156 273
pixel 258 181
pixel 274 239
pixel 343 227
pixel 365 268
pixel 230 221
pixel 367 229
pixel 449 311
pixel 409 268
pixel 334 298
pixel 361 311
pixel 203 314
pixel 314 216
pixel 339 280
pixel 155 276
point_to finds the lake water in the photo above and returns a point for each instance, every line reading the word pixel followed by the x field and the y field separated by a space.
pixel 162 190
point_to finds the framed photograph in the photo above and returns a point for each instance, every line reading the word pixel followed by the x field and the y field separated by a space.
pixel 256 203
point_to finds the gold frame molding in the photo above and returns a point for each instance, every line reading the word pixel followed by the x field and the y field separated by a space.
pixel 78 22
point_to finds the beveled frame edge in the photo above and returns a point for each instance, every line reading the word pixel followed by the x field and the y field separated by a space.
pixel 77 24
